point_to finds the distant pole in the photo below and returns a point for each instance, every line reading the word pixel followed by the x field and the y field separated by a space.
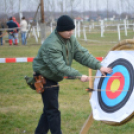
pixel 20 14
pixel 42 11
pixel 19 5
pixel 97 8
pixel 6 10
pixel 89 8
pixel 118 29
pixel 83 9
pixel 12 8
pixel 62 7
pixel 75 28
pixel 107 10
pixel 42 24
pixel 119 10
pixel 125 26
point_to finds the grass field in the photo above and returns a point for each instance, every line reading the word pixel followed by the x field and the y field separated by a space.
pixel 20 107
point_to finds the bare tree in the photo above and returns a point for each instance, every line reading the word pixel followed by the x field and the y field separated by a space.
pixel 107 9
pixel 61 4
pixel 9 7
pixel 130 5
pixel 89 6
pixel 51 7
pixel 73 5
pixel 6 9
pixel 12 6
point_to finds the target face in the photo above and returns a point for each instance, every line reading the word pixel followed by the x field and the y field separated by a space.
pixel 114 96
pixel 117 89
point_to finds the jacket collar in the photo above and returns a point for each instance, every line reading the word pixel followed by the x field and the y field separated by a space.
pixel 61 38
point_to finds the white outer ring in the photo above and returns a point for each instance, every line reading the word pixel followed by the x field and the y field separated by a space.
pixel 127 109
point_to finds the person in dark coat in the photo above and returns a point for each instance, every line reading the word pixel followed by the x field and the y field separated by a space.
pixel 1 33
pixel 53 62
pixel 12 29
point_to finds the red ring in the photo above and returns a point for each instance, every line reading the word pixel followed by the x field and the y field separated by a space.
pixel 109 93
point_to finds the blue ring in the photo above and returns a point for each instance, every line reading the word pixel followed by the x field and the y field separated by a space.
pixel 113 102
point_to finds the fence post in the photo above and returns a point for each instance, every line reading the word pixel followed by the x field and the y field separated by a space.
pixel 84 33
pixel 118 29
pixel 91 80
pixel 35 35
pixel 79 29
pixel 51 25
pixel 75 27
pixel 102 28
pixel 125 27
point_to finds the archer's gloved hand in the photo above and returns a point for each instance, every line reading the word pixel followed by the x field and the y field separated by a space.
pixel 84 78
pixel 105 70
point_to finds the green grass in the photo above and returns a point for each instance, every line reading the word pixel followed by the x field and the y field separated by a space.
pixel 20 107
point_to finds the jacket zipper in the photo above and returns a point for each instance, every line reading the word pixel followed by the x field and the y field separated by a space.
pixel 67 54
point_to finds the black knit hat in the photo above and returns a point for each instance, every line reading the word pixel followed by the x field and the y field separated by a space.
pixel 65 23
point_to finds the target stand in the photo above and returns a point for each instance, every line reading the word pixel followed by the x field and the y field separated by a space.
pixel 117 92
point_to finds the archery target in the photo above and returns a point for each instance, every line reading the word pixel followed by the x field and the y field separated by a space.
pixel 113 100
pixel 116 89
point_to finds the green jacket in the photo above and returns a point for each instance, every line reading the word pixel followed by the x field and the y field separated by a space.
pixel 55 56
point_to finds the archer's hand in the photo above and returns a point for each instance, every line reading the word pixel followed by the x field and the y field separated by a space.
pixel 84 78
pixel 105 70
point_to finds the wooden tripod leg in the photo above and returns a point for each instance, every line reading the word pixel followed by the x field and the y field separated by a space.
pixel 90 81
pixel 90 119
pixel 87 124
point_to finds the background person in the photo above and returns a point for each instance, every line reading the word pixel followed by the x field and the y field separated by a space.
pixel 1 33
pixel 12 29
pixel 23 30
pixel 53 61
pixel 16 32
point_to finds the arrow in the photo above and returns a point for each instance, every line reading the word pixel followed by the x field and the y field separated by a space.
pixel 91 90
pixel 78 77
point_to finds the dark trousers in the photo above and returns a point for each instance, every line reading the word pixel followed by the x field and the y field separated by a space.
pixel 50 119
pixel 1 40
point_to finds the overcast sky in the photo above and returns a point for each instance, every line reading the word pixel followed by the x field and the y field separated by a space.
pixel 12 6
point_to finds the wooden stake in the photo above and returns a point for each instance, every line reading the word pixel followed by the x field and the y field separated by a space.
pixel 90 81
pixel 87 124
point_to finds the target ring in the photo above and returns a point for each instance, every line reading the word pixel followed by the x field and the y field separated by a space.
pixel 116 91
pixel 115 86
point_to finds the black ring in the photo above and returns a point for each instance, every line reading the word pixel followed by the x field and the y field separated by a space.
pixel 129 67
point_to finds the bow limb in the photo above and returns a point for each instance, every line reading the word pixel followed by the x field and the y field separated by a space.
pixel 87 124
